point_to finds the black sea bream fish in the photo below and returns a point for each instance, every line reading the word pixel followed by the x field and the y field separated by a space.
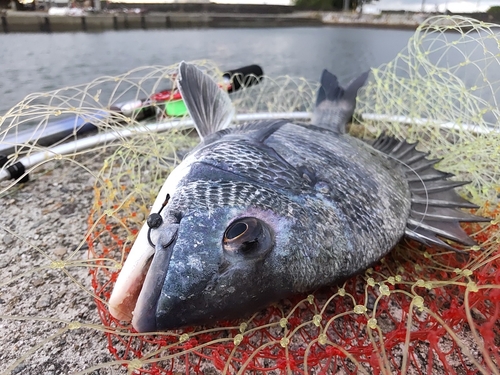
pixel 262 211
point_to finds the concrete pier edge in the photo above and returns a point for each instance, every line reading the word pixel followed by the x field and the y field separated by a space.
pixel 12 21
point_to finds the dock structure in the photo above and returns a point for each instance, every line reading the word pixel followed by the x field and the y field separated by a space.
pixel 156 14
pixel 44 22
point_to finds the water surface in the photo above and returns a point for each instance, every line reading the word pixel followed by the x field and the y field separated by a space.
pixel 42 62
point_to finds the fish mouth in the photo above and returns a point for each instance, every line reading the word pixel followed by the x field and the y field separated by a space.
pixel 138 287
pixel 144 314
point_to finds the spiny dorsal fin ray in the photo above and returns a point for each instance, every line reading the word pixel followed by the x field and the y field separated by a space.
pixel 416 159
pixel 209 106
pixel 428 175
pixel 334 104
pixel 403 152
pixel 435 213
pixel 435 186
pixel 385 144
pixel 444 199
pixel 423 165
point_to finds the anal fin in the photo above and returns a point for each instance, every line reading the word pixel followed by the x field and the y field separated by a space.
pixel 446 229
pixel 427 238
pixel 422 211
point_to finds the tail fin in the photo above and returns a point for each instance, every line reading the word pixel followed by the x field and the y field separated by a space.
pixel 334 104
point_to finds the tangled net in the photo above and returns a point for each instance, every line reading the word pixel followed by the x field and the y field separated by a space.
pixel 418 311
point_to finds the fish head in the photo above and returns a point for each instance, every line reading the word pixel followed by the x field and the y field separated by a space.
pixel 216 256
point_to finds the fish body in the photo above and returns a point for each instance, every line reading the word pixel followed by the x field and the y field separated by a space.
pixel 269 209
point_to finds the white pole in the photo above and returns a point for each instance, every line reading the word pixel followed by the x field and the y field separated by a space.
pixel 85 143
pixel 424 121
pixel 82 144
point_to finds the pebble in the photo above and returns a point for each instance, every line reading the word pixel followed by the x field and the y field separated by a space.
pixel 68 209
pixel 43 302
pixel 4 262
pixel 60 251
pixel 51 370
pixel 42 221
pixel 37 282
pixel 8 239
pixel 18 369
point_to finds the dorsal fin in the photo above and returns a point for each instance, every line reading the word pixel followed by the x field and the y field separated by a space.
pixel 209 106
pixel 334 104
pixel 435 213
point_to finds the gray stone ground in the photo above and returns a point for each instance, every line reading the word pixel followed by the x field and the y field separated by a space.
pixel 37 301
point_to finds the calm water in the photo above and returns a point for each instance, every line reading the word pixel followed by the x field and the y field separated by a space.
pixel 42 62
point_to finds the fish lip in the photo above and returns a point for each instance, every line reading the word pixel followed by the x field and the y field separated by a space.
pixel 144 314
pixel 116 309
pixel 130 280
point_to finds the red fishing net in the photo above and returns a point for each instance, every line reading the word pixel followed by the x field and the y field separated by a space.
pixel 417 311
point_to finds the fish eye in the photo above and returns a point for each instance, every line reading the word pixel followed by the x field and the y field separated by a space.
pixel 247 236
pixel 235 230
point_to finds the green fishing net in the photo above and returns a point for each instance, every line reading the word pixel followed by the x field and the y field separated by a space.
pixel 65 234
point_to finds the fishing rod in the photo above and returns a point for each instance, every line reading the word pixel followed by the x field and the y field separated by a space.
pixel 141 109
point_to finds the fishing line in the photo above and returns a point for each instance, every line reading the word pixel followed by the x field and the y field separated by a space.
pixel 155 220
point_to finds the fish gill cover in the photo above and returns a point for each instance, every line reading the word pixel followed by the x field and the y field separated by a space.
pixel 65 235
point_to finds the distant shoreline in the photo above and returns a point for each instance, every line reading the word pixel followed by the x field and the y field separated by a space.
pixel 43 22
pixel 40 21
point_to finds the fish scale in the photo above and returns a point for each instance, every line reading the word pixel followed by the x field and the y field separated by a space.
pixel 355 176
pixel 252 162
pixel 260 212
pixel 211 194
